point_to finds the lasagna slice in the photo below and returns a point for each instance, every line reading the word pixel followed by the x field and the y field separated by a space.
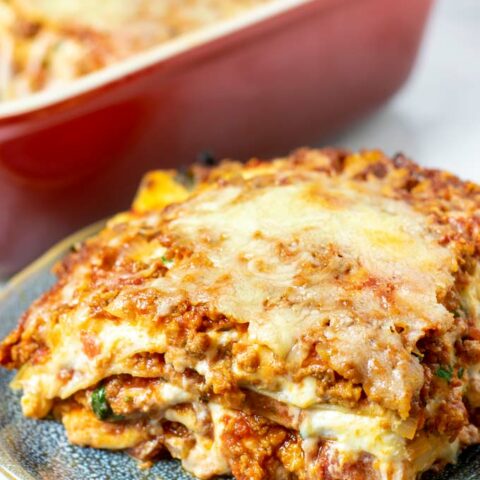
pixel 312 317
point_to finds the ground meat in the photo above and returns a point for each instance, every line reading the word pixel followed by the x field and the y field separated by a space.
pixel 328 467
pixel 258 449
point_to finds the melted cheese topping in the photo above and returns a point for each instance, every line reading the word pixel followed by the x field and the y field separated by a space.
pixel 338 238
pixel 386 238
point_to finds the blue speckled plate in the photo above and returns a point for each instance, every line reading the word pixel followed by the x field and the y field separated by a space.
pixel 33 450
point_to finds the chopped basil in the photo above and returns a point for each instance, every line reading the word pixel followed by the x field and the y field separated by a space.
pixel 446 373
pixel 168 263
pixel 460 372
pixel 100 406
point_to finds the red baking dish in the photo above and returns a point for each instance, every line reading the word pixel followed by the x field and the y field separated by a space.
pixel 277 77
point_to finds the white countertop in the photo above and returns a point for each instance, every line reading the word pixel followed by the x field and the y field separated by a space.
pixel 435 119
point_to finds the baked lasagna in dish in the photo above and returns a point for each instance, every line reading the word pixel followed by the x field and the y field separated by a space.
pixel 311 317
pixel 48 43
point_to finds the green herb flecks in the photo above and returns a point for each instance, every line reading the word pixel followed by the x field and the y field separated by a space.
pixel 445 373
pixel 460 372
pixel 100 406
pixel 166 261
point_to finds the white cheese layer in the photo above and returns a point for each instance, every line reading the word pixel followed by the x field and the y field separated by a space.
pixel 353 432
pixel 42 383
pixel 301 395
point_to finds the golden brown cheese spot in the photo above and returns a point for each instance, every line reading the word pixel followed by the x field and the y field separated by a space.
pixel 390 241
pixel 158 189
pixel 325 199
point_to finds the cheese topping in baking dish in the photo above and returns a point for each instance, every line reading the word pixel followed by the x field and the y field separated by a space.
pixel 48 43
pixel 311 317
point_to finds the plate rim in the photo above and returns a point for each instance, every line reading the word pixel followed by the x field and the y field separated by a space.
pixel 7 462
